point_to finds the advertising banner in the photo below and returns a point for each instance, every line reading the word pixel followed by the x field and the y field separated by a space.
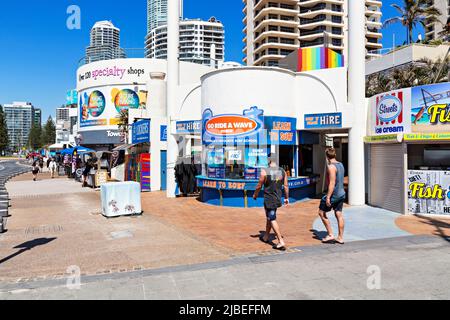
pixel 431 108
pixel 71 97
pixel 141 131
pixel 390 113
pixel 233 129
pixel 429 192
pixel 100 108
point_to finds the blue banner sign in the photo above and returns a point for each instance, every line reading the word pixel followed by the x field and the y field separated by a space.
pixel 323 120
pixel 282 130
pixel 141 131
pixel 163 133
pixel 189 127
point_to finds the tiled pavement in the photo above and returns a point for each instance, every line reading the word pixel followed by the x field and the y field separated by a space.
pixel 66 229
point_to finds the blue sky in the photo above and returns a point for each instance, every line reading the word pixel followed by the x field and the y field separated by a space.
pixel 39 55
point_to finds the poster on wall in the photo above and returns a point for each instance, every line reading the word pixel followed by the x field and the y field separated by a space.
pixel 391 112
pixel 429 192
pixel 102 107
pixel 431 108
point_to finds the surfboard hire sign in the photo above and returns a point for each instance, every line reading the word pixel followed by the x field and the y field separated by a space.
pixel 233 129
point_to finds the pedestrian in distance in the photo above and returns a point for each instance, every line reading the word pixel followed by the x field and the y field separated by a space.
pixel 334 198
pixel 35 170
pixel 274 180
pixel 41 164
pixel 52 166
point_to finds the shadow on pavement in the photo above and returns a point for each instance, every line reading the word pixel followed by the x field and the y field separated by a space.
pixel 26 246
pixel 318 235
pixel 442 228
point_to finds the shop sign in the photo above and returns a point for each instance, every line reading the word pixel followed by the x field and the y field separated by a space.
pixel 189 127
pixel 141 131
pixel 102 137
pixel 427 136
pixel 431 108
pixel 391 112
pixel 392 138
pixel 232 129
pixel 429 192
pixel 163 133
pixel 323 120
pixel 282 130
pixel 230 125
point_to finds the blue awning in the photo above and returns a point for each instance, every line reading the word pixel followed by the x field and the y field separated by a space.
pixel 80 150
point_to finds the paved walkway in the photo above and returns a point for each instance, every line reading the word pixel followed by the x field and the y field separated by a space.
pixel 364 223
pixel 56 224
pixel 414 267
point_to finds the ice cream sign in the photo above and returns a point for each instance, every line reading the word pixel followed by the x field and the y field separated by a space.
pixel 391 112
pixel 231 125
pixel 389 108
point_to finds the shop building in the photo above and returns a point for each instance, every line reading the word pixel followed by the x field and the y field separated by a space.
pixel 137 87
pixel 253 114
pixel 408 146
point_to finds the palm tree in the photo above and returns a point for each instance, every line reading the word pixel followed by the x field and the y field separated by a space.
pixel 404 77
pixel 429 72
pixel 378 83
pixel 414 12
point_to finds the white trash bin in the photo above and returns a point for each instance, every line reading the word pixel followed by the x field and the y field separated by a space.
pixel 121 199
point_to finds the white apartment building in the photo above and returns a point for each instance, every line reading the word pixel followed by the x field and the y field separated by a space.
pixel 157 13
pixel 275 28
pixel 19 120
pixel 201 42
pixel 62 114
pixel 433 29
pixel 104 43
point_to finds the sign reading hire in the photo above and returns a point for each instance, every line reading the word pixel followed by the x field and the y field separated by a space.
pixel 186 127
pixel 323 120
pixel 141 131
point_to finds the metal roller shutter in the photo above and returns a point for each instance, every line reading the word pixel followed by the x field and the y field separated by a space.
pixel 387 177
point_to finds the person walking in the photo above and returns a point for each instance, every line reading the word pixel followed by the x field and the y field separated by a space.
pixel 274 179
pixel 41 164
pixel 52 166
pixel 334 199
pixel 35 170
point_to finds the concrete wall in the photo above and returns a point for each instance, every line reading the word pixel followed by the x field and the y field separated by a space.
pixel 406 55
pixel 279 92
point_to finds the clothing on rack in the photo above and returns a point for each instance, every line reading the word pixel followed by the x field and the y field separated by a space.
pixel 185 175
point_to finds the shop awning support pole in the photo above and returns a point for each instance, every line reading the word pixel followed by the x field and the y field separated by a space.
pixel 356 96
pixel 173 31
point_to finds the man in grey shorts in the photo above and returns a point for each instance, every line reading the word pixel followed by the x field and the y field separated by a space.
pixel 274 179
pixel 334 199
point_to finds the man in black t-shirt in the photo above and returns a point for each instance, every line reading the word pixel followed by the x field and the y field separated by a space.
pixel 274 179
